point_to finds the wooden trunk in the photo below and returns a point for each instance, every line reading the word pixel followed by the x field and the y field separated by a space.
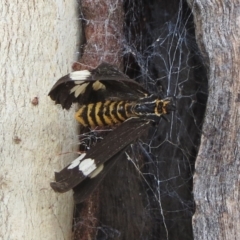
pixel 38 45
pixel 216 179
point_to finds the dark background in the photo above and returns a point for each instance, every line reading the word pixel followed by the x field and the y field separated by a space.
pixel 150 196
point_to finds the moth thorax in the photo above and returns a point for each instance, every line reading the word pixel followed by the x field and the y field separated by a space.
pixel 144 108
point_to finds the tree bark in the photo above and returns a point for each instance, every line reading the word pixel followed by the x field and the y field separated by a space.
pixel 38 41
pixel 216 179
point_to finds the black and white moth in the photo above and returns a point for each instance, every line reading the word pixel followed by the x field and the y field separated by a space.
pixel 107 97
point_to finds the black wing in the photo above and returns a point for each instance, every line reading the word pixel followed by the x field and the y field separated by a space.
pixel 102 83
pixel 86 167
pixel 89 185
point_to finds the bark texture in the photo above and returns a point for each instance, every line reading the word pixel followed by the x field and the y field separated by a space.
pixel 38 41
pixel 216 180
pixel 103 33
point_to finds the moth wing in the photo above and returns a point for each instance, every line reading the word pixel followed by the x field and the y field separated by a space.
pixel 83 190
pixel 106 150
pixel 100 84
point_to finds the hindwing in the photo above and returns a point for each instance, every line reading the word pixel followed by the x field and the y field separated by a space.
pixel 92 164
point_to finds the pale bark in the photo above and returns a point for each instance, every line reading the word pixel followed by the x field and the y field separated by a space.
pixel 38 45
pixel 216 180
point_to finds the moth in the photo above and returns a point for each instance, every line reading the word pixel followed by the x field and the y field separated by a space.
pixel 106 97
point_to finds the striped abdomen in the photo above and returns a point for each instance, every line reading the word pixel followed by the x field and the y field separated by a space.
pixel 104 113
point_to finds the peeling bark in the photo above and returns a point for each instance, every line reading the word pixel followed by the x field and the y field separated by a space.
pixel 103 32
pixel 103 29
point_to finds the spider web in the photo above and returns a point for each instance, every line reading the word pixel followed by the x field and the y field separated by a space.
pixel 153 189
pixel 167 60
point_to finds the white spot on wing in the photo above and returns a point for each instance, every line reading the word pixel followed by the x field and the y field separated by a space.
pixel 97 171
pixel 87 166
pixel 98 85
pixel 79 75
pixel 77 161
pixel 79 89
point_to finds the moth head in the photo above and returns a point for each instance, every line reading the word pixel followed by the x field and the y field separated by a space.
pixel 164 106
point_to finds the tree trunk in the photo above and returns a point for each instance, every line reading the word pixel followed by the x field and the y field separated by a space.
pixel 216 179
pixel 38 41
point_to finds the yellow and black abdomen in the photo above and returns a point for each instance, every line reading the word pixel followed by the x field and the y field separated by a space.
pixel 106 113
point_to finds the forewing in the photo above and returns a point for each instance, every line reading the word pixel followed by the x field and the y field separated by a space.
pixel 108 149
pixel 100 84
